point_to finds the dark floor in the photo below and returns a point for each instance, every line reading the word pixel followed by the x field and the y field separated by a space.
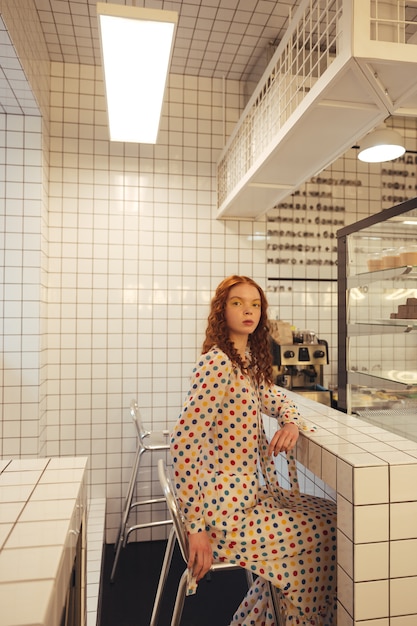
pixel 129 600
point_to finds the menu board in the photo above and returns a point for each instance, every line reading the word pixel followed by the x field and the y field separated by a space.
pixel 301 231
pixel 301 235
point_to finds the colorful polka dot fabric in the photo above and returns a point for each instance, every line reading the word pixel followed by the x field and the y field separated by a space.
pixel 218 446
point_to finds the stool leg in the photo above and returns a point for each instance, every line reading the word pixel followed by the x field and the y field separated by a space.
pixel 274 595
pixel 179 600
pixel 162 577
pixel 250 579
pixel 126 510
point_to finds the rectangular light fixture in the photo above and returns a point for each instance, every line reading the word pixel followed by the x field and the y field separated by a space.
pixel 136 47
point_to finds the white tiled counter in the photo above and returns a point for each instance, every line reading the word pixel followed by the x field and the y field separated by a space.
pixel 372 473
pixel 42 513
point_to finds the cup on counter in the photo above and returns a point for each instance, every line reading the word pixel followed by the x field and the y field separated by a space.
pixel 304 336
pixel 390 258
pixel 298 336
pixel 374 262
pixel 408 254
pixel 309 336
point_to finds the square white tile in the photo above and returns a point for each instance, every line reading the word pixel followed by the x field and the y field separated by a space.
pixel 370 485
pixel 370 561
pixel 345 480
pixel 371 600
pixel 403 558
pixel 403 482
pixel 345 512
pixel 403 596
pixel 371 523
pixel 403 520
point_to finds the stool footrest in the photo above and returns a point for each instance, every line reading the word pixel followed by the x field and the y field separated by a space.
pixel 151 501
pixel 163 522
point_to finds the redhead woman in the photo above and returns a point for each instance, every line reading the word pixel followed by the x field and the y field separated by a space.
pixel 233 506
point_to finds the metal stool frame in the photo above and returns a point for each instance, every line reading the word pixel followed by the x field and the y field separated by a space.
pixel 148 441
pixel 179 532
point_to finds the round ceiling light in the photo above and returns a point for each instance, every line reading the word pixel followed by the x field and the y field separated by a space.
pixel 381 145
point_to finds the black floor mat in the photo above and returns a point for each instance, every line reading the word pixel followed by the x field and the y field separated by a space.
pixel 129 600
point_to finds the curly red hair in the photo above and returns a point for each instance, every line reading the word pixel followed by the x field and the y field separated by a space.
pixel 217 332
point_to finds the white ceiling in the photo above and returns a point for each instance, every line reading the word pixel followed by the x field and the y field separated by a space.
pixel 219 38
pixel 233 39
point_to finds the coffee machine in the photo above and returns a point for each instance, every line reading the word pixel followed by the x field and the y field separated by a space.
pixel 299 366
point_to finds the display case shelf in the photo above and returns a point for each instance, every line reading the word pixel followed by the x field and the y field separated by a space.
pixel 365 278
pixel 379 327
pixel 397 379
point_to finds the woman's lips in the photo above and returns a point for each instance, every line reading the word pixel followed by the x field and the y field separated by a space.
pixel 248 323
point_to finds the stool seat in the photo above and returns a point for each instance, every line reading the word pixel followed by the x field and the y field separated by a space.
pixel 147 441
pixel 156 440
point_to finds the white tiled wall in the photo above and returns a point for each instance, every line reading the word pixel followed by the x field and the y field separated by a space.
pixel 27 58
pixel 22 283
pixel 134 254
pixel 111 253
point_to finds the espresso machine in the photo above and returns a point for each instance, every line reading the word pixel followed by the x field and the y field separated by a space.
pixel 299 366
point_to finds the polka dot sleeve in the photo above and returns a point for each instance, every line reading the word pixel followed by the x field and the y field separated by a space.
pixel 210 380
pixel 275 403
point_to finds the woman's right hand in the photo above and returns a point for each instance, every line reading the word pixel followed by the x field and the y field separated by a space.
pixel 201 555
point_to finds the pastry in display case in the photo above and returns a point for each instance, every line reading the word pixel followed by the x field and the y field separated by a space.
pixel 377 317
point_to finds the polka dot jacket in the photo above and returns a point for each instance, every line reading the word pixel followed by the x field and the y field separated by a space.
pixel 218 446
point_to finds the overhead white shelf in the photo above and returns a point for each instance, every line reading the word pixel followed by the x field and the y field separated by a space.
pixel 327 85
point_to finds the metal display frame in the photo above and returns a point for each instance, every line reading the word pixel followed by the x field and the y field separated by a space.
pixel 343 287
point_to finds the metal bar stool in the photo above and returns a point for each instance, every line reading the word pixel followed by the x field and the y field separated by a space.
pixel 179 532
pixel 148 441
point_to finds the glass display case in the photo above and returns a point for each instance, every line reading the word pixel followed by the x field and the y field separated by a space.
pixel 377 311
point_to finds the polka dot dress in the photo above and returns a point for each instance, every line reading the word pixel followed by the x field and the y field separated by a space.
pixel 287 538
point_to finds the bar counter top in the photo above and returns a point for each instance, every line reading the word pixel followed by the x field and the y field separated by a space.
pixel 42 512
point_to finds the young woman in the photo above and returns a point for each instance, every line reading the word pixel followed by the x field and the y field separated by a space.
pixel 218 446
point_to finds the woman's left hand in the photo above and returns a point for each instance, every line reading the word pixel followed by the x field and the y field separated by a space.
pixel 284 439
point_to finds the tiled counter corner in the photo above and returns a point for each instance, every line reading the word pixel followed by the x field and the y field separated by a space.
pixel 372 475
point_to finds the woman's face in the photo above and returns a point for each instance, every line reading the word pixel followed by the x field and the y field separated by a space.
pixel 243 310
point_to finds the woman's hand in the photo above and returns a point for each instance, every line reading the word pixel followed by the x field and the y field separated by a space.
pixel 201 555
pixel 284 439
